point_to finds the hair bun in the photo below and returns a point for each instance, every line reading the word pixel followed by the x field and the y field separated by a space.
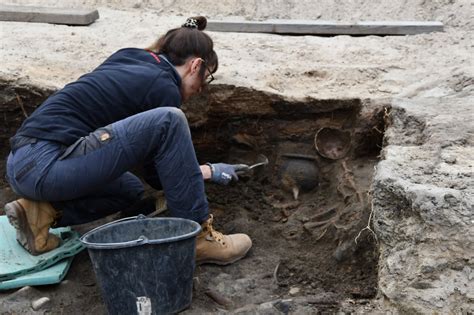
pixel 198 22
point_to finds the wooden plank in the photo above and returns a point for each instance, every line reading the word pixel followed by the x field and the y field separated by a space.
pixel 18 13
pixel 308 27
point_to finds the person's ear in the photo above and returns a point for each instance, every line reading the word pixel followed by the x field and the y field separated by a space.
pixel 196 65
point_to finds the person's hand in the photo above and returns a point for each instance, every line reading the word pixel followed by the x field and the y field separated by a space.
pixel 223 173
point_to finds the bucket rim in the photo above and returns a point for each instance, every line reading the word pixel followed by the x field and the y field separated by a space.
pixel 142 240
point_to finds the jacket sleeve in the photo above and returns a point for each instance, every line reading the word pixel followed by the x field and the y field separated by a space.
pixel 163 92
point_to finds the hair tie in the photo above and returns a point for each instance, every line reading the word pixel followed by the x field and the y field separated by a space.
pixel 190 23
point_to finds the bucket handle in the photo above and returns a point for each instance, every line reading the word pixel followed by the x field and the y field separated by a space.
pixel 141 239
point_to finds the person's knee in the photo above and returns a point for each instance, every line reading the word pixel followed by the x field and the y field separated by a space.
pixel 175 114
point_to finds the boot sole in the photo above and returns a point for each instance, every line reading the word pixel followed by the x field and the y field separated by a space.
pixel 17 217
pixel 220 262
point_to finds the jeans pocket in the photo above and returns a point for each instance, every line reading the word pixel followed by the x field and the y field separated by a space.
pixel 89 143
pixel 98 139
pixel 74 149
pixel 25 170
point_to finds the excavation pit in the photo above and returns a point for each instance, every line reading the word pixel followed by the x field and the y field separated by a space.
pixel 305 213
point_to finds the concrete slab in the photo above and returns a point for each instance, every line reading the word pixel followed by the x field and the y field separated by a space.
pixel 310 27
pixel 47 15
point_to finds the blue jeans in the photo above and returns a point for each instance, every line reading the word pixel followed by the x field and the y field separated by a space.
pixel 90 179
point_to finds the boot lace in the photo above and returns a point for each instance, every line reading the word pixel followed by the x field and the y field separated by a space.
pixel 211 233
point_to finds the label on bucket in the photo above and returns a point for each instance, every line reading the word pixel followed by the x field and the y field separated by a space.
pixel 143 305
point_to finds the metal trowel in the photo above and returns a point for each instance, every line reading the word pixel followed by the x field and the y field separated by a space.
pixel 263 160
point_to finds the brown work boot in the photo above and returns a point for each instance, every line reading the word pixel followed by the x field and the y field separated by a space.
pixel 32 220
pixel 215 248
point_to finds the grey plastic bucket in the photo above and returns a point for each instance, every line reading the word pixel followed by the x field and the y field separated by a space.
pixel 144 265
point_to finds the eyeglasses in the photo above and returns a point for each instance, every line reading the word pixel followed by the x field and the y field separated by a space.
pixel 210 78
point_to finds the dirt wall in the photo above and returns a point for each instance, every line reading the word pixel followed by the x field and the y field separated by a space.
pixel 423 207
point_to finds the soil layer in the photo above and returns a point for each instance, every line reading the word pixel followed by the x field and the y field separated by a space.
pixel 308 251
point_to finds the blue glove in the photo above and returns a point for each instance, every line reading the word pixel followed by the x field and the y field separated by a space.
pixel 223 173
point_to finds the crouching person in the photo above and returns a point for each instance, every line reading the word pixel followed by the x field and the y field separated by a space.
pixel 70 159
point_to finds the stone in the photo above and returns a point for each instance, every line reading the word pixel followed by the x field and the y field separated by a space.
pixel 294 291
pixel 40 303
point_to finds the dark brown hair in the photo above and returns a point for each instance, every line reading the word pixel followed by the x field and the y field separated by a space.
pixel 187 41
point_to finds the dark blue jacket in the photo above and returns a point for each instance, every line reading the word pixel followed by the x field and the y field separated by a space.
pixel 130 81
